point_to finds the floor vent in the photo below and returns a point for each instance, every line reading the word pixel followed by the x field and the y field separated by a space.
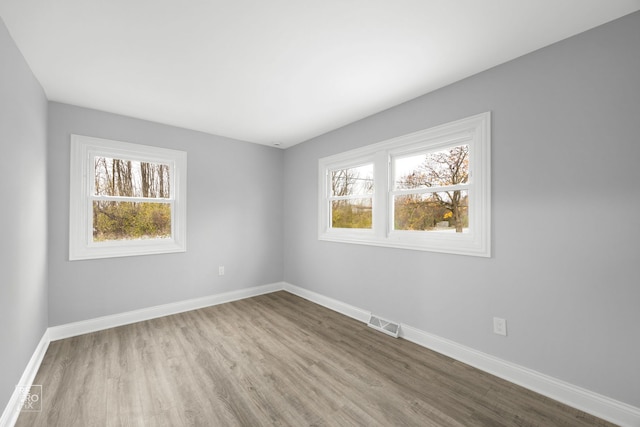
pixel 385 326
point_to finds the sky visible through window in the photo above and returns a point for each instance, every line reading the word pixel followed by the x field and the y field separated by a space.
pixel 131 178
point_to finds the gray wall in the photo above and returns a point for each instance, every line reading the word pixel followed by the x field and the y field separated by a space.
pixel 234 218
pixel 566 234
pixel 23 241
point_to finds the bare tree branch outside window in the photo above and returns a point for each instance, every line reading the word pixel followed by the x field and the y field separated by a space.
pixel 427 211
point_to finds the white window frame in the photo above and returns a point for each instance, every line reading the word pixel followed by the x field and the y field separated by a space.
pixel 81 244
pixel 474 131
pixel 355 233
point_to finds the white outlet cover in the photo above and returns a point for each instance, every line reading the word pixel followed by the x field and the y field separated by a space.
pixel 500 326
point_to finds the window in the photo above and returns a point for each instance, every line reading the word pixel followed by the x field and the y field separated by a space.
pixel 429 190
pixel 126 199
pixel 351 196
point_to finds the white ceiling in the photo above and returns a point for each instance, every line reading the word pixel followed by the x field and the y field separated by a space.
pixel 277 71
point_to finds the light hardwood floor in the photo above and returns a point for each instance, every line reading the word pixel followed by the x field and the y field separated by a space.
pixel 275 360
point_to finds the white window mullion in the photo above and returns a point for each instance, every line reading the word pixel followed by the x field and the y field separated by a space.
pixel 381 188
pixel 88 222
pixel 130 199
pixel 427 190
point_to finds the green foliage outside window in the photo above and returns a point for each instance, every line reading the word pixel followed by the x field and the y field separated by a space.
pixel 428 213
pixel 349 215
pixel 130 220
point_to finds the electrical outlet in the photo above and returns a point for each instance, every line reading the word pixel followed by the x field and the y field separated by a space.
pixel 500 326
pixel 221 270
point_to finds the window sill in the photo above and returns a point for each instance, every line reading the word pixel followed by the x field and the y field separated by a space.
pixel 464 244
pixel 117 249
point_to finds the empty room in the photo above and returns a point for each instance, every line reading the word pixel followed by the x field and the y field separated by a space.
pixel 320 213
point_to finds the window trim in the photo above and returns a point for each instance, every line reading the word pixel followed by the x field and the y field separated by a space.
pixel 81 244
pixel 475 131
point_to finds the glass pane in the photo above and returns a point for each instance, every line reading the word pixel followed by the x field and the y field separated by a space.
pixel 449 166
pixel 354 213
pixel 352 181
pixel 118 177
pixel 130 221
pixel 446 211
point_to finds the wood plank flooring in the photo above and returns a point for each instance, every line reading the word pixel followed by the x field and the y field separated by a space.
pixel 273 360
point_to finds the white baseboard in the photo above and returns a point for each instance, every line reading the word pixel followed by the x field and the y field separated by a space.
pixel 114 320
pixel 12 410
pixel 330 303
pixel 593 403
